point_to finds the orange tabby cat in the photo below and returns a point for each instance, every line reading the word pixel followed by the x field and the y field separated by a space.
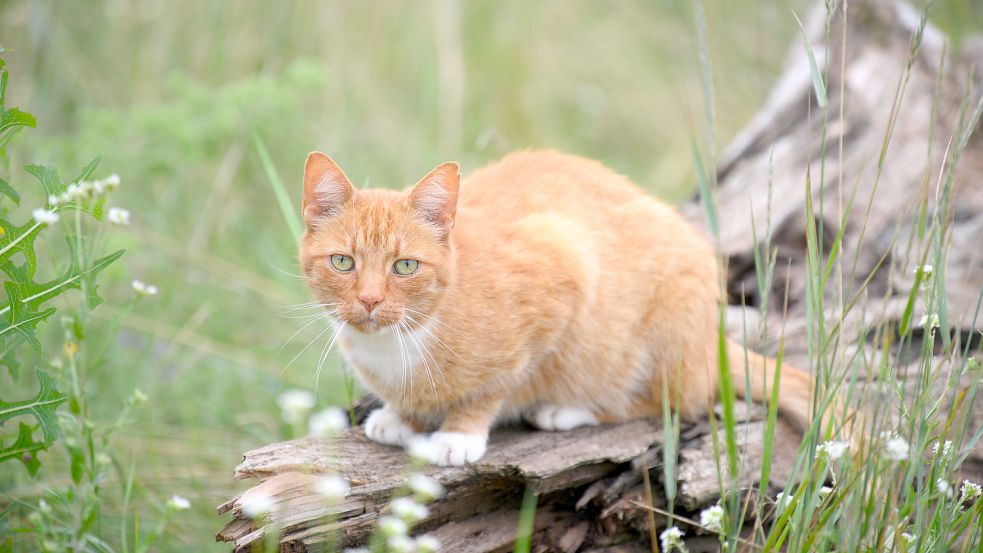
pixel 544 286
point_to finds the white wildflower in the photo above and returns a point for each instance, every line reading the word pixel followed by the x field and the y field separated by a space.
pixel 930 322
pixel 420 449
pixel 257 504
pixel 143 288
pixel 408 509
pixel 942 450
pixel 73 192
pixel 824 491
pixel 357 550
pixel 672 538
pixel 118 216
pixel 392 526
pixel 53 200
pixel 295 404
pixel 45 217
pixel 332 487
pixel 781 501
pixel 44 507
pixel 427 544
pixel 425 488
pixel 112 181
pixel 401 544
pixel 712 518
pixel 178 503
pixel 969 491
pixel 943 487
pixel 926 270
pixel 327 423
pixel 896 448
pixel 832 450
pixel 908 540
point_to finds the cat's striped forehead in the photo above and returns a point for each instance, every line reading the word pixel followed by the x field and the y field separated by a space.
pixel 378 224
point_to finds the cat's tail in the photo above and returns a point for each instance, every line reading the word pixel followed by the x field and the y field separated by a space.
pixel 753 375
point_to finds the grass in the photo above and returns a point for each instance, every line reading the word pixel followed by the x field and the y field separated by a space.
pixel 207 112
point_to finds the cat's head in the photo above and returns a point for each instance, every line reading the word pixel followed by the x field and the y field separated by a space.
pixel 376 258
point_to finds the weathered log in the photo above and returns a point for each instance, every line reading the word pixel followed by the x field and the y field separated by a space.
pixel 589 481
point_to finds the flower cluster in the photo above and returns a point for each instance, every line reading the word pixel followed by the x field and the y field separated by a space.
pixel 832 450
pixel 672 538
pixel 295 405
pixel 327 423
pixel 83 190
pixel 332 487
pixel 896 448
pixel 143 288
pixel 712 518
pixel 969 491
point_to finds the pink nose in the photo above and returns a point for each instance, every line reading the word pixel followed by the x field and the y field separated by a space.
pixel 370 301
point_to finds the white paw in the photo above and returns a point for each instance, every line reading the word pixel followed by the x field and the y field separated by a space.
pixel 387 427
pixel 558 417
pixel 456 448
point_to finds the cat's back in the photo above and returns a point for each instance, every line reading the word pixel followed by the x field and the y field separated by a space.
pixel 534 181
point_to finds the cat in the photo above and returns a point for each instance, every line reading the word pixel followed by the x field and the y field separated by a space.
pixel 544 287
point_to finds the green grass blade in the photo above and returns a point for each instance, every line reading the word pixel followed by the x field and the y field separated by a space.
pixel 290 213
pixel 817 76
pixel 527 519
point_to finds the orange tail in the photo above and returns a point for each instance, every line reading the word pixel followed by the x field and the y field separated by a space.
pixel 794 387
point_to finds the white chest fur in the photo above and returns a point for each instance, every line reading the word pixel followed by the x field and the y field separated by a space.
pixel 389 354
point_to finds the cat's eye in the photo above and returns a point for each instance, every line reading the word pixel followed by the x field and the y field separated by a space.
pixel 342 262
pixel 405 266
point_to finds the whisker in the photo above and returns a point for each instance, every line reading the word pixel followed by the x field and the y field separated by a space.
pixel 435 338
pixel 432 318
pixel 311 343
pixel 424 353
pixel 319 317
pixel 324 356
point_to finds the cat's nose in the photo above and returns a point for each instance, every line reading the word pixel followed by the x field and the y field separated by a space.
pixel 369 301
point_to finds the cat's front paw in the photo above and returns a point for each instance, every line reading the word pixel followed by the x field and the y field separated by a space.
pixel 456 448
pixel 559 417
pixel 387 427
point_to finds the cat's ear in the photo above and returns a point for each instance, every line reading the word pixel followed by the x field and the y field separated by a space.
pixel 435 197
pixel 326 188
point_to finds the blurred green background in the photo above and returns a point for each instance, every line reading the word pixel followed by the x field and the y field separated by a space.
pixel 168 93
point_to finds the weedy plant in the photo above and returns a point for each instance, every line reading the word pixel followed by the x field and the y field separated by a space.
pixel 61 355
pixel 893 488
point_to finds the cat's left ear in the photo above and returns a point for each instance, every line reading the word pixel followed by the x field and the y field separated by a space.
pixel 435 197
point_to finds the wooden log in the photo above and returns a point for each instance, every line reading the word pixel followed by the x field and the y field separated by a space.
pixel 589 481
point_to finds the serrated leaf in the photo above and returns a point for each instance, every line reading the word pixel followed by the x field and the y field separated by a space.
pixel 9 191
pixel 34 294
pixel 21 320
pixel 18 239
pixel 90 168
pixel 48 176
pixel 42 407
pixel 24 449
pixel 14 117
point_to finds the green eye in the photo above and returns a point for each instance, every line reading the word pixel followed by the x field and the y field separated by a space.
pixel 406 266
pixel 342 262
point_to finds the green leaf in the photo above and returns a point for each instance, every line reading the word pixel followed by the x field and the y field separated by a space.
pixel 34 294
pixel 22 321
pixel 78 464
pixel 817 75
pixel 42 407
pixel 18 239
pixel 48 176
pixel 14 117
pixel 24 449
pixel 9 191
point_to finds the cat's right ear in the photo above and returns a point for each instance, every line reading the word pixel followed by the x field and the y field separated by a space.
pixel 326 188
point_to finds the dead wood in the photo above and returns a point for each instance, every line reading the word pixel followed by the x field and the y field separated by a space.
pixel 589 480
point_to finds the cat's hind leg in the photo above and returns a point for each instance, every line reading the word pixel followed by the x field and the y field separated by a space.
pixel 561 417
